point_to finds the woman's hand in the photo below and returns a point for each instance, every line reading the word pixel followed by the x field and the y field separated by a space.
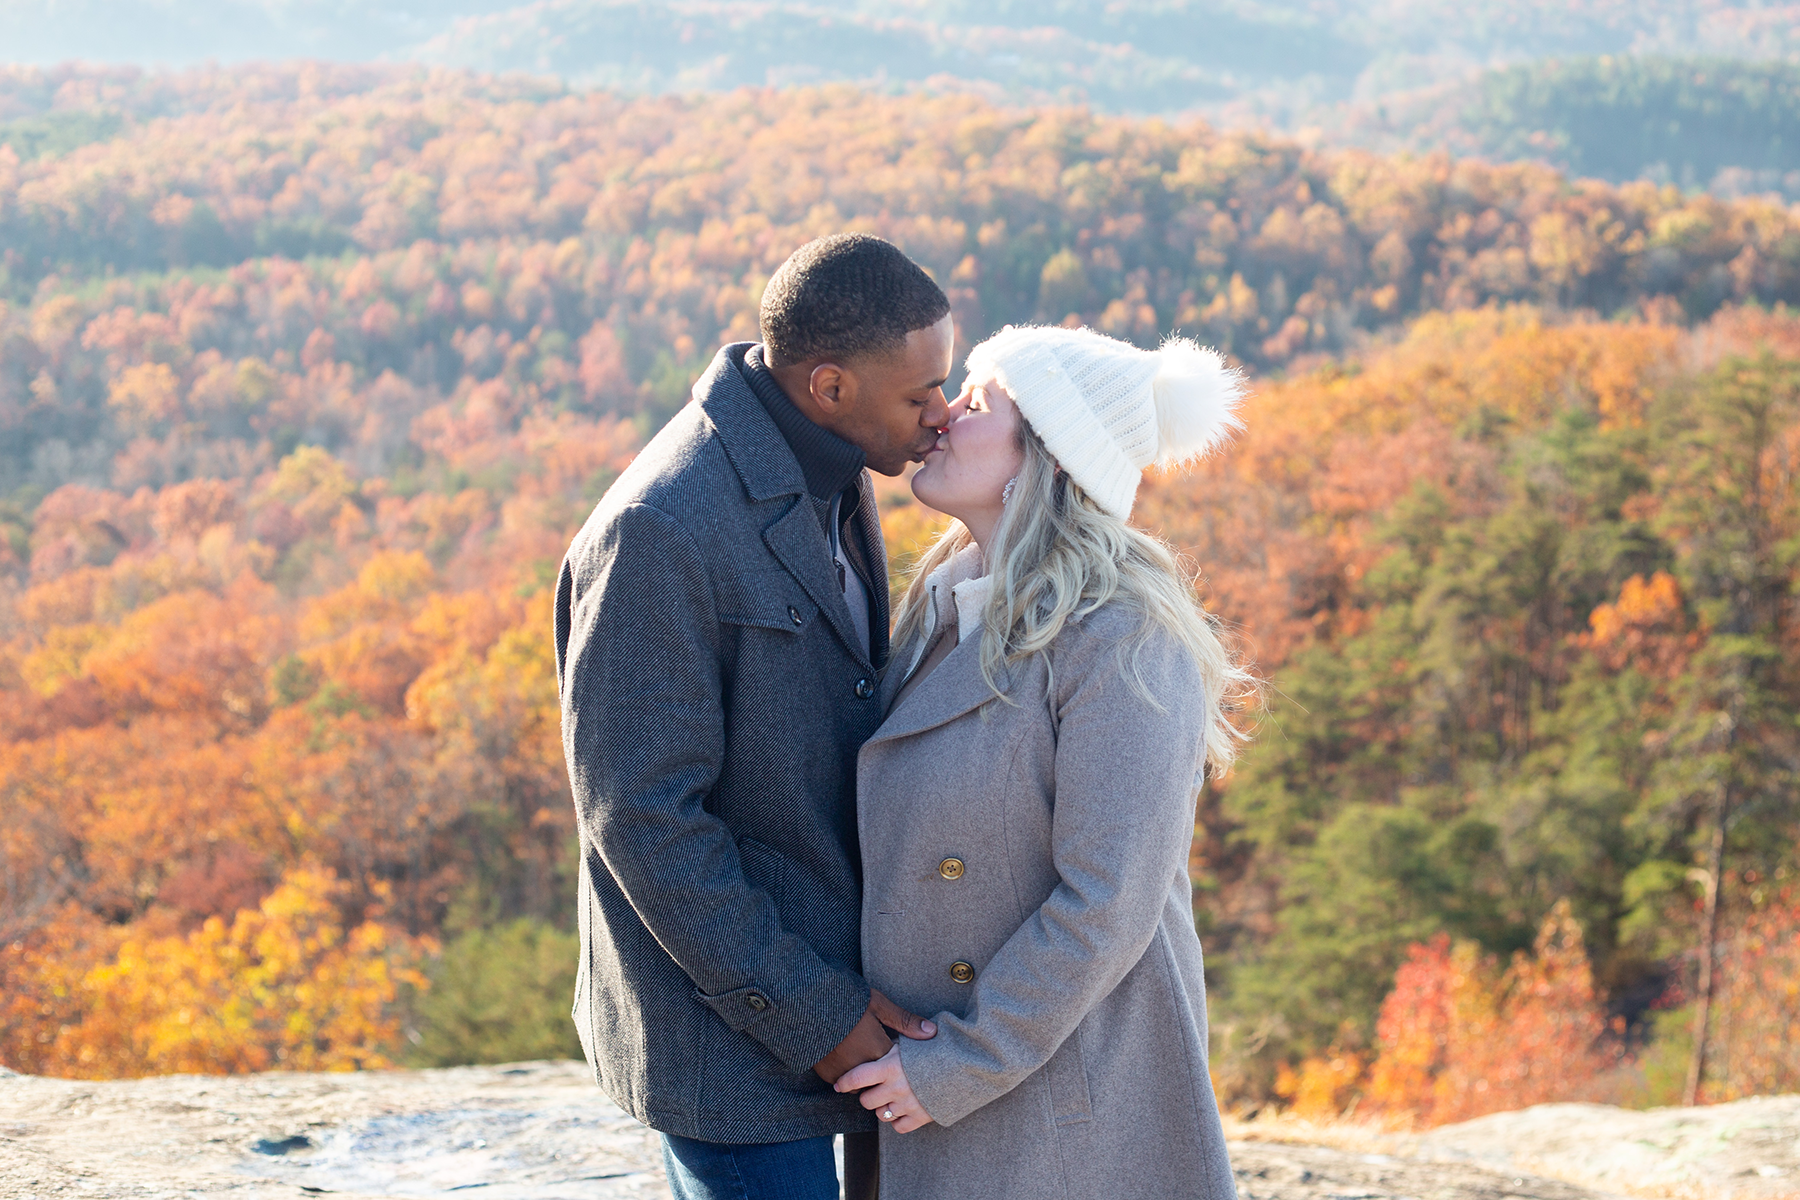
pixel 885 1090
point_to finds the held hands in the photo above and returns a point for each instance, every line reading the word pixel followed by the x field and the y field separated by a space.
pixel 869 1040
pixel 886 1092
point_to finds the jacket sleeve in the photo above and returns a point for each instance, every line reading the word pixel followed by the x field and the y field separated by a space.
pixel 1121 829
pixel 644 735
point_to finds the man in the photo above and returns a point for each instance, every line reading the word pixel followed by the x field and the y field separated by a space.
pixel 721 625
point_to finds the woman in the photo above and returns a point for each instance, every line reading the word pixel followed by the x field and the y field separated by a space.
pixel 1027 808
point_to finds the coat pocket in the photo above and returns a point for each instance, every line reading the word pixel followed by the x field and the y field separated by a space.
pixel 1067 1076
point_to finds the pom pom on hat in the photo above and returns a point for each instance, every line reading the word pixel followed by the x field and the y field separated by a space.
pixel 1197 397
pixel 1106 409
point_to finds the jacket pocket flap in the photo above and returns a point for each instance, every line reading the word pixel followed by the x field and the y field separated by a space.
pixel 766 599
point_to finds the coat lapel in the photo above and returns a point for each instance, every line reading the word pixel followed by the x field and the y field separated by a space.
pixel 954 688
pixel 766 465
pixel 796 539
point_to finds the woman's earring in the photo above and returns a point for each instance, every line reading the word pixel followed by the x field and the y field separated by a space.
pixel 1007 491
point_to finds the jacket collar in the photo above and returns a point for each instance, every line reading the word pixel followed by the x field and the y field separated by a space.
pixel 753 442
pixel 829 463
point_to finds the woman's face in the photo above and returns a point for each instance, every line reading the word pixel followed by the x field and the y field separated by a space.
pixel 966 472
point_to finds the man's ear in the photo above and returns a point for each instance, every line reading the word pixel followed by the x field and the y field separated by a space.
pixel 833 388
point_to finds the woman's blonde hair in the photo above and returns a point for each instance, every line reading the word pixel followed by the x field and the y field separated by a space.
pixel 1057 555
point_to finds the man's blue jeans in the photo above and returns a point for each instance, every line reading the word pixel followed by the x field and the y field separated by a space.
pixel 802 1170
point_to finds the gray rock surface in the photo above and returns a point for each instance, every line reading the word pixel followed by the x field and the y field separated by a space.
pixel 1746 1150
pixel 541 1130
pixel 538 1130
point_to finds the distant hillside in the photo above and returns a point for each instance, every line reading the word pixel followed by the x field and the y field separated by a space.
pixel 1136 226
pixel 1593 87
pixel 1152 57
pixel 1696 122
pixel 1259 59
pixel 180 32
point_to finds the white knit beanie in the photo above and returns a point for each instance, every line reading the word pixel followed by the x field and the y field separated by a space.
pixel 1106 409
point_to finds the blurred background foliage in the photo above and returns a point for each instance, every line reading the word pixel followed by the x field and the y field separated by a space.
pixel 308 373
pixel 499 994
pixel 1690 91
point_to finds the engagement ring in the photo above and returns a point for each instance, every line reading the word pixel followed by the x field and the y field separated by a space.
pixel 887 1114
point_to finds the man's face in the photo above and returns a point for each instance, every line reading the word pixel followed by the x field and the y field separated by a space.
pixel 893 405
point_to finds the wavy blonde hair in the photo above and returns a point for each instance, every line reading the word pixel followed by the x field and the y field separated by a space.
pixel 1057 556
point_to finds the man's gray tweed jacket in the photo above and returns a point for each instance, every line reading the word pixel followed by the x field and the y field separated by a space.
pixel 714 696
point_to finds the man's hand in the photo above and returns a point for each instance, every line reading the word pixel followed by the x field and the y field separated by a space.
pixel 869 1040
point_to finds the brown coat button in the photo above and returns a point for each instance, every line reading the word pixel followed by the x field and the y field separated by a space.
pixel 962 972
pixel 951 868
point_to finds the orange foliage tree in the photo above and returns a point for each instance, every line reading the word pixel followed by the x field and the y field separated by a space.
pixel 1458 1037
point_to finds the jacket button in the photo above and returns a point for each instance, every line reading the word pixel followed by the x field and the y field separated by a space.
pixel 864 689
pixel 962 972
pixel 794 616
pixel 756 1001
pixel 951 868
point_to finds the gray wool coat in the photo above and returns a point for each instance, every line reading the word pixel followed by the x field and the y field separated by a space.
pixel 1039 851
pixel 714 693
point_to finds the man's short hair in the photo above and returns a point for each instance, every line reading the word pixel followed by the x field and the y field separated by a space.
pixel 846 295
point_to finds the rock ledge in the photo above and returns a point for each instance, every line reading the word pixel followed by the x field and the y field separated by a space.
pixel 542 1131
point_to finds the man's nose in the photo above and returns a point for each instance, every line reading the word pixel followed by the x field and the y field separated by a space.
pixel 937 413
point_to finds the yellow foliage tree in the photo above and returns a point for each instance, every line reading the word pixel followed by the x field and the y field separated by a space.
pixel 282 985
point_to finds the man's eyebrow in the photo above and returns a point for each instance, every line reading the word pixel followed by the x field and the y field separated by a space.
pixel 937 384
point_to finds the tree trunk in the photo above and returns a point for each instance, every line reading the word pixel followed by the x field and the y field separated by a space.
pixel 1709 940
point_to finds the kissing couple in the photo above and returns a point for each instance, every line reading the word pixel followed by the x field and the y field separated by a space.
pixel 799 832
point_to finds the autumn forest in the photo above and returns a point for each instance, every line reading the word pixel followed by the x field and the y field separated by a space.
pixel 308 373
